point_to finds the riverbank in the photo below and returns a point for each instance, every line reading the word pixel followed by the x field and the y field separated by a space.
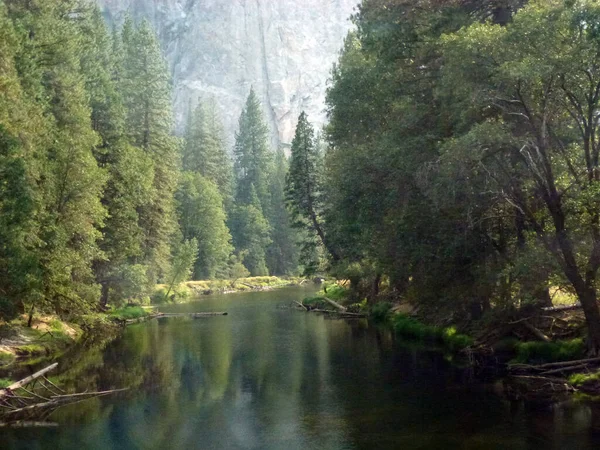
pixel 49 336
pixel 539 357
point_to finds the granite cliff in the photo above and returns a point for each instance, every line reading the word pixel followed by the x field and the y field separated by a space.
pixel 220 48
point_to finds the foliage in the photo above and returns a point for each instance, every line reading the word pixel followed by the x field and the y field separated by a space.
pixel 201 217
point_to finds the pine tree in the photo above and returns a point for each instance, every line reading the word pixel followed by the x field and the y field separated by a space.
pixel 69 181
pixel 201 217
pixel 205 150
pixel 303 186
pixel 147 98
pixel 130 170
pixel 282 254
pixel 253 158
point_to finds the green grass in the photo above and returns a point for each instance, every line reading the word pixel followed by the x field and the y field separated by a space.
pixel 547 352
pixel 31 350
pixel 128 313
pixel 411 329
pixel 5 382
pixel 6 358
pixel 579 379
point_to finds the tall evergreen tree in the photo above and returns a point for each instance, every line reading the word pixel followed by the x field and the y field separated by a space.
pixel 253 159
pixel 303 185
pixel 282 254
pixel 129 168
pixel 70 182
pixel 205 149
pixel 147 98
pixel 202 217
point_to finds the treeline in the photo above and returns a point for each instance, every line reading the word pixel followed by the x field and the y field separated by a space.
pixel 463 170
pixel 99 200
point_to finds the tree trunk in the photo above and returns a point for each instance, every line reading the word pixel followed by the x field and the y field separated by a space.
pixel 30 320
pixel 592 318
pixel 104 295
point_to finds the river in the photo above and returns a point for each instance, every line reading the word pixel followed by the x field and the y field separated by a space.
pixel 270 377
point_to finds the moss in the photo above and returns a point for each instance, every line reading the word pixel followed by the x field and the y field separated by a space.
pixel 546 352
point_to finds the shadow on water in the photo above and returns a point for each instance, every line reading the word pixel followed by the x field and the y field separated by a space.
pixel 267 377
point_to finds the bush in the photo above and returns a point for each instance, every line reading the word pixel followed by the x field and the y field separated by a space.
pixel 546 352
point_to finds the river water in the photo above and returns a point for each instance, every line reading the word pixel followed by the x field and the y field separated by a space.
pixel 270 377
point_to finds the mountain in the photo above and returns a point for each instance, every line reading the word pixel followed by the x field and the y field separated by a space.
pixel 220 48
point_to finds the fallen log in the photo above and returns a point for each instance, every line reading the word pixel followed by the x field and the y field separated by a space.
pixel 537 333
pixel 565 369
pixel 25 381
pixel 553 365
pixel 562 307
pixel 335 304
pixel 199 314
pixel 339 313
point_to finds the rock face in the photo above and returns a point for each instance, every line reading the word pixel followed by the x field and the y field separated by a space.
pixel 220 48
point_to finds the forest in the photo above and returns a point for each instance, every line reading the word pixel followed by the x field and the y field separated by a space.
pixel 100 197
pixel 459 171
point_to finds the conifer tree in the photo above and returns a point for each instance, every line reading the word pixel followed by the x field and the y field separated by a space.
pixel 130 170
pixel 147 98
pixel 69 181
pixel 303 185
pixel 201 217
pixel 205 150
pixel 282 254
pixel 253 159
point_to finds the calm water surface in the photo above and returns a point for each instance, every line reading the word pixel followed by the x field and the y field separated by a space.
pixel 266 377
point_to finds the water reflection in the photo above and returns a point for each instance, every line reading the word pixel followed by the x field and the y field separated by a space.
pixel 271 378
